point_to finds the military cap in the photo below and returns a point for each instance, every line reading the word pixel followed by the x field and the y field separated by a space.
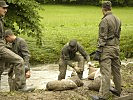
pixel 3 4
pixel 8 32
pixel 73 43
pixel 107 5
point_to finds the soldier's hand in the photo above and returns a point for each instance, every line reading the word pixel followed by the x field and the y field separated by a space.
pixel 97 55
pixel 27 74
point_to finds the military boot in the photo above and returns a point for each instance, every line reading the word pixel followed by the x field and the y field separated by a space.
pixel 96 97
pixel 26 89
pixel 114 91
pixel 11 83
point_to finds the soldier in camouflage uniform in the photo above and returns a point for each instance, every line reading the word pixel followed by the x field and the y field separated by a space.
pixel 7 56
pixel 69 54
pixel 18 46
pixel 108 46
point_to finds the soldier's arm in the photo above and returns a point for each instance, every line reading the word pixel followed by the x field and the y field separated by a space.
pixel 83 52
pixel 103 30
pixel 25 54
pixel 8 45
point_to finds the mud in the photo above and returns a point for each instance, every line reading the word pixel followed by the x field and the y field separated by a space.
pixel 42 74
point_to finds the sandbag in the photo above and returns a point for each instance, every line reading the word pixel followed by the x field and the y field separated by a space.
pixel 95 84
pixel 97 74
pixel 92 69
pixel 76 80
pixel 91 76
pixel 60 85
pixel 92 72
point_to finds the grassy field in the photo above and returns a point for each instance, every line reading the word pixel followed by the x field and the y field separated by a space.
pixel 62 23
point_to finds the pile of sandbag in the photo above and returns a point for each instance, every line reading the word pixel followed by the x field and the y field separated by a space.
pixel 59 85
pixel 95 84
pixel 92 71
pixel 95 76
pixel 64 84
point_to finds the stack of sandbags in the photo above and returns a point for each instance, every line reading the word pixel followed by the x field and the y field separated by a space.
pixel 95 84
pixel 94 74
pixel 70 83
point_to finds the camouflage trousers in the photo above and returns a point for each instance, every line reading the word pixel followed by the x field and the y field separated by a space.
pixel 109 64
pixel 63 66
pixel 7 56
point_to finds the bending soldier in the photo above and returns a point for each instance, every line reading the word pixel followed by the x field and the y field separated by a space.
pixel 69 54
pixel 7 56
pixel 18 46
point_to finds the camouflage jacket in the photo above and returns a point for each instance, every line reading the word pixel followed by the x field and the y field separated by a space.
pixel 19 47
pixel 109 31
pixel 67 54
pixel 2 42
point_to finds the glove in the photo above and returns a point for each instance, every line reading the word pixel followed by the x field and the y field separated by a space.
pixel 97 56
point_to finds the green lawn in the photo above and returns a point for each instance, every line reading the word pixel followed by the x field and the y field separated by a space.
pixel 62 23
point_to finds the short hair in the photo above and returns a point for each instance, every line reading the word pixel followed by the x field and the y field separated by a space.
pixel 8 32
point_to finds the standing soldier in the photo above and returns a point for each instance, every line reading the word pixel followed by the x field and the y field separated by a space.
pixel 108 48
pixel 69 54
pixel 19 47
pixel 8 56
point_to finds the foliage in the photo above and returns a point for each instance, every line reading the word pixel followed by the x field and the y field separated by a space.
pixel 62 23
pixel 45 1
pixel 93 2
pixel 41 1
pixel 126 43
pixel 23 14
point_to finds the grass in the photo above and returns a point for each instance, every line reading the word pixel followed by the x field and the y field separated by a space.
pixel 63 22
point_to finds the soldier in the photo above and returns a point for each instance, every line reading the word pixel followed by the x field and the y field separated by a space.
pixel 19 47
pixel 108 48
pixel 7 56
pixel 69 54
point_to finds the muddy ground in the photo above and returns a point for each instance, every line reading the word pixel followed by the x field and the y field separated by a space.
pixel 80 93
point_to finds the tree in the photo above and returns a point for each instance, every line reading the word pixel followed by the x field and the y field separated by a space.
pixel 24 15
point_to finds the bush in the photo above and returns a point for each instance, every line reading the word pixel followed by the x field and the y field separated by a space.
pixel 23 14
